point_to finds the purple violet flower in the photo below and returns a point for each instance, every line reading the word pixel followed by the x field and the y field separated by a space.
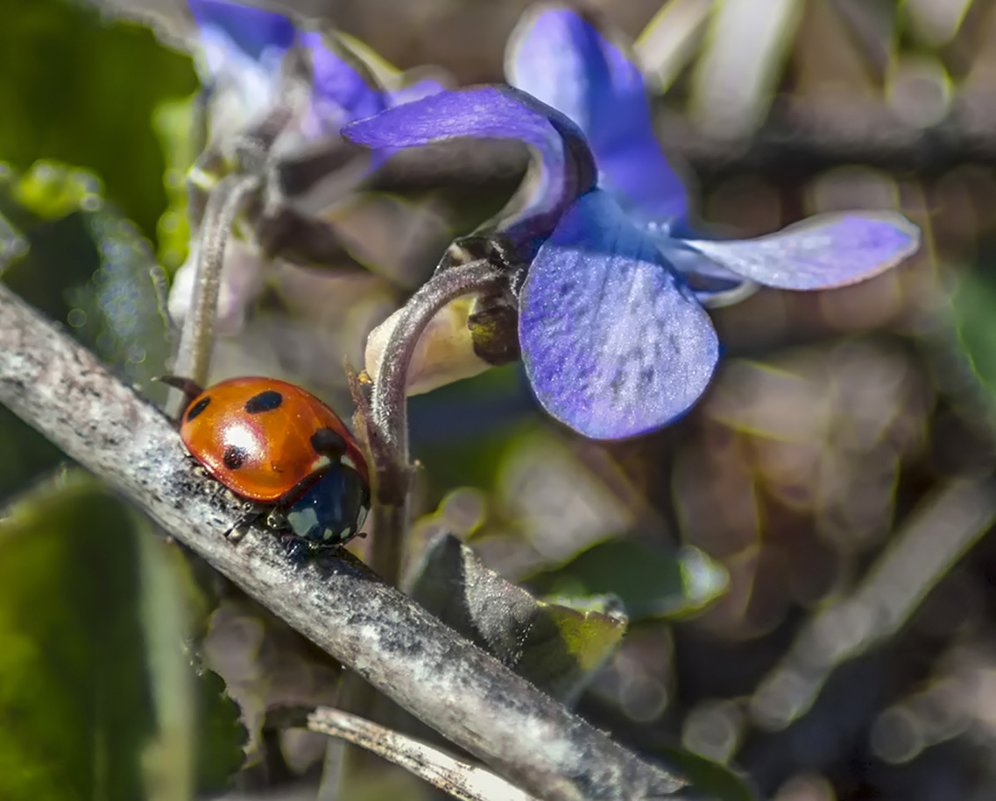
pixel 614 334
pixel 243 57
pixel 244 49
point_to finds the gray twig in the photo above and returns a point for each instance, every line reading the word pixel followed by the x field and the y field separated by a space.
pixel 62 390
pixel 816 135
pixel 458 778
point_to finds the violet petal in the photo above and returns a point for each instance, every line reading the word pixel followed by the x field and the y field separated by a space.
pixel 613 342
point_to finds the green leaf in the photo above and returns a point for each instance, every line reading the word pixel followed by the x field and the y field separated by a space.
pixel 222 737
pixel 557 646
pixel 121 311
pixel 650 582
pixel 52 190
pixel 200 738
pixel 710 779
pixel 13 245
pixel 69 254
pixel 72 693
pixel 973 310
pixel 173 122
pixel 97 696
pixel 81 88
pixel 26 455
pixel 89 267
pixel 588 632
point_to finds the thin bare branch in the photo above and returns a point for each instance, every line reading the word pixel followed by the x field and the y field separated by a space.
pixel 62 390
pixel 820 135
pixel 458 778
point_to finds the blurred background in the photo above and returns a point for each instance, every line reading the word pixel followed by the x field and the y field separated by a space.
pixel 802 559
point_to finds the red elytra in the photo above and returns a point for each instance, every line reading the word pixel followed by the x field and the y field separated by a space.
pixel 262 437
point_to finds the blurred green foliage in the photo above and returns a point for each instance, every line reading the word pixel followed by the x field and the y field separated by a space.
pixel 86 266
pixel 100 698
pixel 93 609
pixel 79 159
pixel 174 123
pixel 651 582
pixel 75 708
pixel 719 781
pixel 83 91
pixel 973 309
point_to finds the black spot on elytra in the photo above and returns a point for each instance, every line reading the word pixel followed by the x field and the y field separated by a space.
pixel 235 457
pixel 328 443
pixel 264 402
pixel 197 408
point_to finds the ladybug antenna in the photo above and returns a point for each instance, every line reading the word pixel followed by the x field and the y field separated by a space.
pixel 190 389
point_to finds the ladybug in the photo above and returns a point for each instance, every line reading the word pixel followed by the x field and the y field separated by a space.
pixel 277 445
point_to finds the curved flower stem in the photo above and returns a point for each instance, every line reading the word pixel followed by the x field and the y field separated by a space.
pixel 389 393
pixel 388 427
pixel 193 356
pixel 387 552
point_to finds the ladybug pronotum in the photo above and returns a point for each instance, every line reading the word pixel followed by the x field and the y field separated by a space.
pixel 279 446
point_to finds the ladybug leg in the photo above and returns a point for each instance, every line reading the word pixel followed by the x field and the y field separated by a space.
pixel 237 532
pixel 214 488
pixel 211 489
pixel 251 514
pixel 298 551
pixel 276 520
